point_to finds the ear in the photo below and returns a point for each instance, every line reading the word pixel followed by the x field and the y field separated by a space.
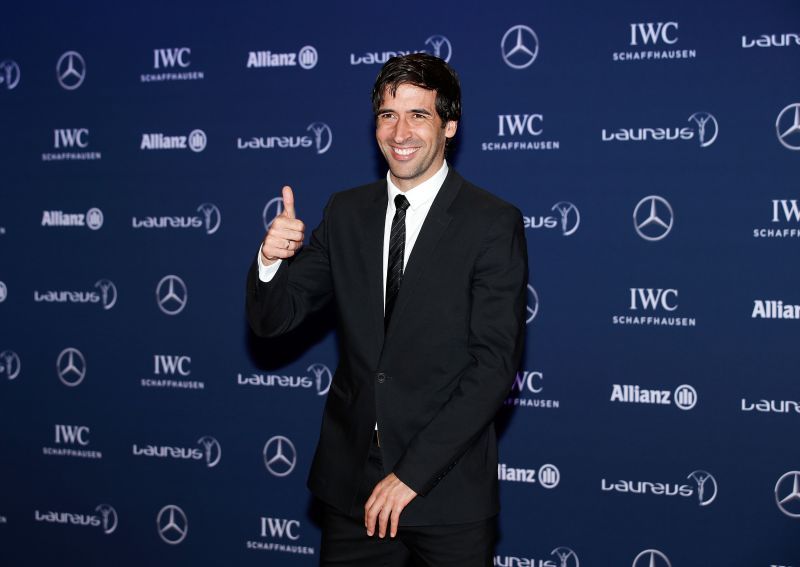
pixel 450 129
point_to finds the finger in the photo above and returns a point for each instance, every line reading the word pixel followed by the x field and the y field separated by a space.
pixel 371 518
pixel 282 222
pixel 394 521
pixel 383 519
pixel 289 234
pixel 288 202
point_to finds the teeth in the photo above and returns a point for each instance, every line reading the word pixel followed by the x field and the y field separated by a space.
pixel 405 151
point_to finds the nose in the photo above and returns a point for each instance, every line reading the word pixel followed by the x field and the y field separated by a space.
pixel 402 131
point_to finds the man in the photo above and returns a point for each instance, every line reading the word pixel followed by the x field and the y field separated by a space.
pixel 428 276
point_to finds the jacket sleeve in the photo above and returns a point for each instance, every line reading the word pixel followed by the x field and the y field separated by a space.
pixel 301 286
pixel 496 338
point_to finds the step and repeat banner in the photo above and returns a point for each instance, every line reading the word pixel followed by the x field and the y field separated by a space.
pixel 653 149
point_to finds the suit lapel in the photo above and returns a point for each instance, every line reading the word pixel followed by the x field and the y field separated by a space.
pixel 372 250
pixel 423 252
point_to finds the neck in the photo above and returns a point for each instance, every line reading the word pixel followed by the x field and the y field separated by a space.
pixel 408 184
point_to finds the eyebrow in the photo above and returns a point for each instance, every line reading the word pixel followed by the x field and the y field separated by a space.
pixel 412 111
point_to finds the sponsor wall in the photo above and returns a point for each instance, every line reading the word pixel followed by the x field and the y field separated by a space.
pixel 652 149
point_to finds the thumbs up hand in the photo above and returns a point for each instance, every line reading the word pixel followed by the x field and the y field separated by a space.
pixel 286 233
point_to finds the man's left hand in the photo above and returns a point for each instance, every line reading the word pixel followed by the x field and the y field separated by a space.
pixel 384 505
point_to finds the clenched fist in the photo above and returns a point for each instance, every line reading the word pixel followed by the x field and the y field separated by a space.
pixel 285 235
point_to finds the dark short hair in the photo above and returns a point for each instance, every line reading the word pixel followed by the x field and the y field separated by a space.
pixel 424 71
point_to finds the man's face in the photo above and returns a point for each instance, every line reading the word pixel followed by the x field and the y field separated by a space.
pixel 410 135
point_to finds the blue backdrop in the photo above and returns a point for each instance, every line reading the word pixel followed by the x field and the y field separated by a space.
pixel 653 149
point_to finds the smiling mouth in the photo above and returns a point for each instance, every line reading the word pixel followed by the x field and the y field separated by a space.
pixel 404 152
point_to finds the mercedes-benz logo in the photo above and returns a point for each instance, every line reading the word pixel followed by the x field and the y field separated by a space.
pixel 566 557
pixel 108 517
pixel 212 218
pixel 706 486
pixel 94 218
pixel 70 70
pixel 519 47
pixel 651 558
pixel 280 456
pixel 323 136
pixel 71 367
pixel 212 450
pixel 197 140
pixel 3 292
pixel 171 295
pixel 307 57
pixel 172 524
pixel 570 217
pixel 652 218
pixel 9 74
pixel 272 209
pixel 533 305
pixel 787 494
pixel 441 47
pixel 787 126
pixel 549 476
pixel 108 293
pixel 322 377
pixel 10 364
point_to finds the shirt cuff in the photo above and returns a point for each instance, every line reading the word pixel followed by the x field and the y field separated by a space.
pixel 266 273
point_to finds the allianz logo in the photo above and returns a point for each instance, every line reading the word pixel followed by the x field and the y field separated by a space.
pixel 306 58
pixel 774 309
pixel 771 40
pixel 105 294
pixel 195 141
pixel 209 217
pixel 93 218
pixel 547 476
pixel 685 395
pixel 771 406
pixel 517 474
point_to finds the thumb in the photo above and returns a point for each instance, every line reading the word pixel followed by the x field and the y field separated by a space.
pixel 288 203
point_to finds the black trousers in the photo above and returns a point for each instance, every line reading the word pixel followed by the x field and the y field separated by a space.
pixel 345 541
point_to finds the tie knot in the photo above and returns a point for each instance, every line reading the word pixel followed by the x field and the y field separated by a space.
pixel 401 203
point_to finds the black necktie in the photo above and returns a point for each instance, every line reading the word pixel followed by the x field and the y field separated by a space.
pixel 397 247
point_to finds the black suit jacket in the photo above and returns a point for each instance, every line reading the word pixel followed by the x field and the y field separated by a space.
pixel 435 379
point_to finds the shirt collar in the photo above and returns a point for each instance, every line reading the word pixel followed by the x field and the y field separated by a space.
pixel 420 194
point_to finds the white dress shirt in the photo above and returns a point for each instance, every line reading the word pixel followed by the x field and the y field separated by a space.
pixel 420 199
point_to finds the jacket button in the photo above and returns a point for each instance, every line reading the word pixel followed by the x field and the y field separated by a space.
pixel 380 377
